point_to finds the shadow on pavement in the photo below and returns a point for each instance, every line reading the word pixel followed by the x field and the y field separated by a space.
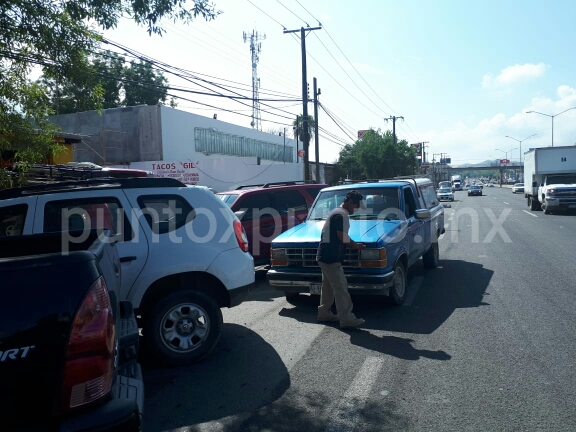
pixel 244 373
pixel 394 346
pixel 314 412
pixel 453 285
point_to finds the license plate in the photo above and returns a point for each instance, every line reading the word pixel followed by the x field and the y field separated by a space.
pixel 315 288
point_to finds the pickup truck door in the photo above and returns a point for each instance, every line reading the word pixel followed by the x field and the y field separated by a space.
pixel 17 216
pixel 108 209
pixel 415 235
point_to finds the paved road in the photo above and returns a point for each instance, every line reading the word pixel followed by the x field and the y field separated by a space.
pixel 485 343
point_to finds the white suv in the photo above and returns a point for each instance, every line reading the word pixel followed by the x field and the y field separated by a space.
pixel 184 253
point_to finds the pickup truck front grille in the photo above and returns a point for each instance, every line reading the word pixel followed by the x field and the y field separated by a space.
pixel 306 257
pixel 571 193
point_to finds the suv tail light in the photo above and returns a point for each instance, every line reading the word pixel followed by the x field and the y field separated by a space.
pixel 89 367
pixel 241 235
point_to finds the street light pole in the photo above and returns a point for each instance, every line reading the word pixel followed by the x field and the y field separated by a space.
pixel 552 116
pixel 520 141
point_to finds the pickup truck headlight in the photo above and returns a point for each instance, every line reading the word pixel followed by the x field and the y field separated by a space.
pixel 550 192
pixel 373 257
pixel 278 257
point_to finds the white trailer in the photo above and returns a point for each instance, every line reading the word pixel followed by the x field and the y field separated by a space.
pixel 550 178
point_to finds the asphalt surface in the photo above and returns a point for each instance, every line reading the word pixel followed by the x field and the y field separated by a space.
pixel 485 343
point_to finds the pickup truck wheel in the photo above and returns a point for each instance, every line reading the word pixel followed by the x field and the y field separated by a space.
pixel 534 205
pixel 184 327
pixel 398 289
pixel 432 256
pixel 545 209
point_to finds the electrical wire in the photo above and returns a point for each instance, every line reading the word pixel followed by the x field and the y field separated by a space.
pixel 284 27
pixel 289 10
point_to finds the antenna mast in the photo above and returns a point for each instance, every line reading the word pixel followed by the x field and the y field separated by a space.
pixel 255 47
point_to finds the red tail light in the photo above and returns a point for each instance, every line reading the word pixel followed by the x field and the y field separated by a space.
pixel 90 355
pixel 241 235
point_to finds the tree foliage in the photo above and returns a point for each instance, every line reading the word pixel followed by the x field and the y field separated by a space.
pixel 109 82
pixel 298 126
pixel 59 36
pixel 375 156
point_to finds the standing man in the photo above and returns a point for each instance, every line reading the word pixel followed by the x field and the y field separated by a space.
pixel 330 256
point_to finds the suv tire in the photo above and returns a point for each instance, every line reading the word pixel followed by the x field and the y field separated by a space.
pixel 184 327
pixel 432 256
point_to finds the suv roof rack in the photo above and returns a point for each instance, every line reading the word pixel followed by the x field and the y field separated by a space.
pixel 267 185
pixel 108 182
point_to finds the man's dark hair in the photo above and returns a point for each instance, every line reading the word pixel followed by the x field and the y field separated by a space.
pixel 354 196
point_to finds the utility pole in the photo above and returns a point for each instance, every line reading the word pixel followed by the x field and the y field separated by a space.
pixel 284 157
pixel 316 137
pixel 306 140
pixel 394 118
pixel 297 139
pixel 255 47
pixel 424 151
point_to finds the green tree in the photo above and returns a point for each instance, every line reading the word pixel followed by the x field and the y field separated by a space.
pixel 59 36
pixel 144 85
pixel 298 125
pixel 375 156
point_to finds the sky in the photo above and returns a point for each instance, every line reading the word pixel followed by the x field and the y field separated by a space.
pixel 461 74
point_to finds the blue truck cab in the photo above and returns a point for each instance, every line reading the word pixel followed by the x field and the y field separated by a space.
pixel 401 222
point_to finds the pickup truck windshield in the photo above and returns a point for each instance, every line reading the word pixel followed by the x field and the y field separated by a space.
pixel 566 179
pixel 381 203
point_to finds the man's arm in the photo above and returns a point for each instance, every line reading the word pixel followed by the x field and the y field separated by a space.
pixel 345 238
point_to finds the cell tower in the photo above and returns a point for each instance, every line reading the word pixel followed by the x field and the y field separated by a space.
pixel 255 47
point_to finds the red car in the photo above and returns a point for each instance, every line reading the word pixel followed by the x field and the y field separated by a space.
pixel 268 210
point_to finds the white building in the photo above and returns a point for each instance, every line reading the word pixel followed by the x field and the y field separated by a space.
pixel 174 143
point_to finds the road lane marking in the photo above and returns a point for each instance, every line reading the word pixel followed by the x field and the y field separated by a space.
pixel 505 202
pixel 446 226
pixel 413 290
pixel 346 415
pixel 527 212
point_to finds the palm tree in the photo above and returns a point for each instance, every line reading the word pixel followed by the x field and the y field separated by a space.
pixel 298 127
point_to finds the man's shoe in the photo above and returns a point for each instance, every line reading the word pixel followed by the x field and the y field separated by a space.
pixel 328 318
pixel 354 323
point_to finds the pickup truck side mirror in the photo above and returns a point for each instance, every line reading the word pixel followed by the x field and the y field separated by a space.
pixel 422 214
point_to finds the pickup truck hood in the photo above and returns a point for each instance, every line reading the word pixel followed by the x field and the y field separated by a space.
pixel 365 231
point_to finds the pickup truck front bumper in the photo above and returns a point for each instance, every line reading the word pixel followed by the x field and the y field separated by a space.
pixel 561 202
pixel 293 282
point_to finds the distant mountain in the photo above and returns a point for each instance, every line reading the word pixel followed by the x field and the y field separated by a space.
pixel 487 162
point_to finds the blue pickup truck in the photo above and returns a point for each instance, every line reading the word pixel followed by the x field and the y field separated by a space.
pixel 401 222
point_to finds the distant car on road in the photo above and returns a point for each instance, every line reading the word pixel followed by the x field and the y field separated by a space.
pixel 445 194
pixel 518 187
pixel 475 190
pixel 490 184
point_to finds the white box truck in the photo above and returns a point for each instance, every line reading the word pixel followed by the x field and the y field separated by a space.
pixel 550 178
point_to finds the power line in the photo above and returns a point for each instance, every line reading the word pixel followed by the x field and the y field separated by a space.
pixel 284 27
pixel 337 124
pixel 289 10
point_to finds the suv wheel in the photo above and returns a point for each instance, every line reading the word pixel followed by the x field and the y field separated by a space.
pixel 399 289
pixel 184 327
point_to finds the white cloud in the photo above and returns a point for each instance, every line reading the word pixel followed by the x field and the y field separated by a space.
pixel 513 75
pixel 472 143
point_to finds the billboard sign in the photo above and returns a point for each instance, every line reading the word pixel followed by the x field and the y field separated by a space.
pixel 504 161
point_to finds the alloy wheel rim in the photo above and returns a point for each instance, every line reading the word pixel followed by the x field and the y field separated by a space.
pixel 184 328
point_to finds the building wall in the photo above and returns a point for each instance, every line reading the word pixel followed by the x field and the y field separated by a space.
pixel 179 136
pixel 115 136
pixel 222 174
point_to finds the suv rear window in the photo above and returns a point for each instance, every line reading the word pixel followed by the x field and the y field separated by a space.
pixel 228 199
pixel 165 213
pixel 12 220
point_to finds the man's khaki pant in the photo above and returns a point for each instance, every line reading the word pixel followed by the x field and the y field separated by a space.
pixel 335 288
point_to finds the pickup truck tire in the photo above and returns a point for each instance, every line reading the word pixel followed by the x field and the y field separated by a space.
pixel 398 290
pixel 432 256
pixel 184 327
pixel 534 205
